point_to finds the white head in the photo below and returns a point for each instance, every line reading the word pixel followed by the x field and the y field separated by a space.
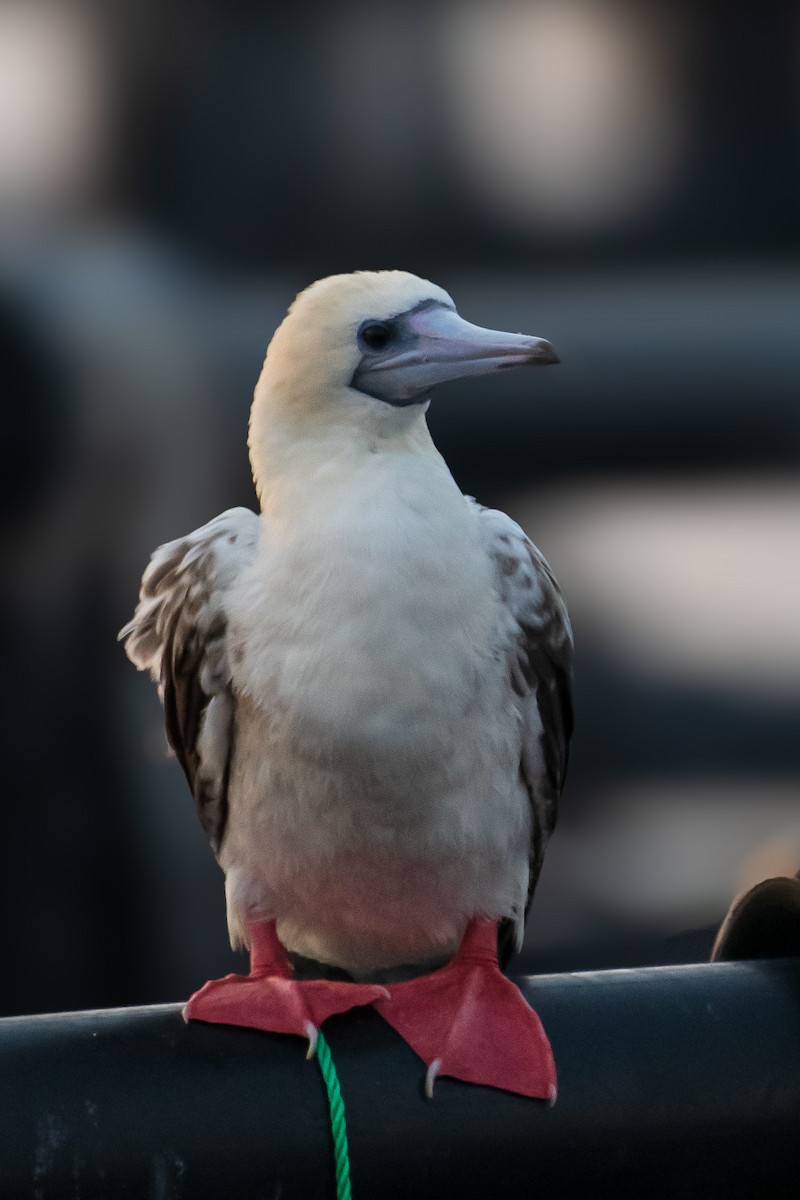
pixel 362 352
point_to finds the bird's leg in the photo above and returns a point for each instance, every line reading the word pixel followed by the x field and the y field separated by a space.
pixel 468 1020
pixel 270 998
pixel 267 953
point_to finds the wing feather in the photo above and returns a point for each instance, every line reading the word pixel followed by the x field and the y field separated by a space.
pixel 179 633
pixel 540 673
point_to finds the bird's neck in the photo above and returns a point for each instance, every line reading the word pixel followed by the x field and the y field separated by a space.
pixel 309 459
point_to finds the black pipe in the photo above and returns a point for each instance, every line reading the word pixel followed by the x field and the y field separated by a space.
pixel 673 1082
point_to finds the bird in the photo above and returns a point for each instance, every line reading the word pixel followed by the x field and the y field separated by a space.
pixel 367 682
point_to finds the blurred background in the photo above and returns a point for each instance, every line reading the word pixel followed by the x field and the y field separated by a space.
pixel 622 178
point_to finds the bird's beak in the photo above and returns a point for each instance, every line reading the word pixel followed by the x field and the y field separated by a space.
pixel 438 345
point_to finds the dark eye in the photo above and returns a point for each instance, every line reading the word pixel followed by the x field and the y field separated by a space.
pixel 375 335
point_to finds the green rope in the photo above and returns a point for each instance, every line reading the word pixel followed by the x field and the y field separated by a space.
pixel 338 1128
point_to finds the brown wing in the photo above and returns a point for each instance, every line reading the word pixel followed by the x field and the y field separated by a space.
pixel 540 672
pixel 179 634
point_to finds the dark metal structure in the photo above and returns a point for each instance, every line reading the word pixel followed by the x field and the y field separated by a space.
pixel 673 1082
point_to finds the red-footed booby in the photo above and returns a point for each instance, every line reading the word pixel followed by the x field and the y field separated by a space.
pixel 368 688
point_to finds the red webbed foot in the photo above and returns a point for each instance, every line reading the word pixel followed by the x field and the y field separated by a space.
pixel 469 1021
pixel 271 999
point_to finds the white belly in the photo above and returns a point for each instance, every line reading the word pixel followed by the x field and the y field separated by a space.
pixel 375 801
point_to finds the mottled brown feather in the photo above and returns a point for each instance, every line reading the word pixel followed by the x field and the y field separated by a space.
pixel 540 673
pixel 179 634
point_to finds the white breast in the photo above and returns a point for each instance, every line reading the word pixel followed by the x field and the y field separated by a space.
pixel 375 800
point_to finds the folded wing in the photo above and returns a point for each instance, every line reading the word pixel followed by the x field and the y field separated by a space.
pixel 540 673
pixel 179 633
